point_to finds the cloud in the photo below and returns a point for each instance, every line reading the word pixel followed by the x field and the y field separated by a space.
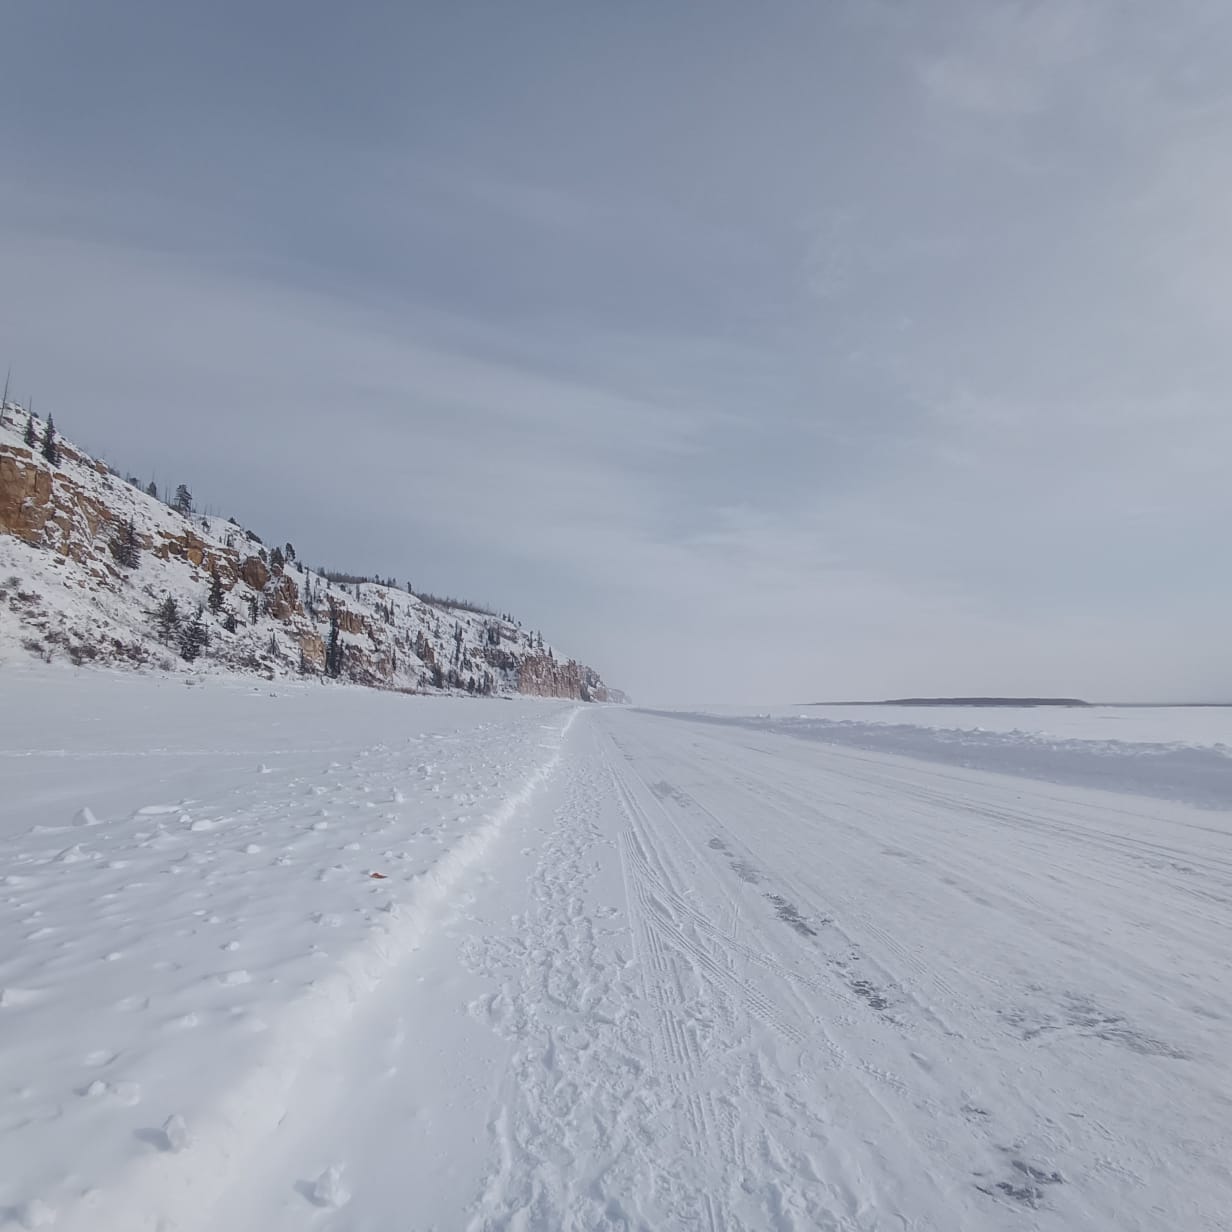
pixel 846 349
pixel 1011 58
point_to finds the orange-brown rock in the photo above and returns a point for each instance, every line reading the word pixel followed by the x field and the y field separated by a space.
pixel 351 622
pixel 255 572
pixel 542 676
pixel 313 647
pixel 46 508
pixel 283 601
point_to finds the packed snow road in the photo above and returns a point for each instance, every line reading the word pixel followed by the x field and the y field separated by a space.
pixel 656 973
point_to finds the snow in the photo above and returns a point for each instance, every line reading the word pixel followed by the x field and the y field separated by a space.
pixel 1173 752
pixel 550 966
pixel 1190 725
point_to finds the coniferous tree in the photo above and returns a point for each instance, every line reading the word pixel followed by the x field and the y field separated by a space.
pixel 31 437
pixel 230 623
pixel 217 596
pixel 289 552
pixel 333 651
pixel 194 638
pixel 252 608
pixel 168 619
pixel 183 502
pixel 151 489
pixel 51 448
pixel 277 560
pixel 126 546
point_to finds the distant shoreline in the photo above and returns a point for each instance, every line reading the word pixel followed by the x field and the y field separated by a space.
pixel 1027 702
pixel 964 701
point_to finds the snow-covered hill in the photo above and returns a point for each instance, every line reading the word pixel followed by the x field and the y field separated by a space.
pixel 95 570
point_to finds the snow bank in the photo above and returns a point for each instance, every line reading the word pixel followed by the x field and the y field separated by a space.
pixel 201 884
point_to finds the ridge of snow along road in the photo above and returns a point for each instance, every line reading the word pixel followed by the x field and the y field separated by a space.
pixel 259 895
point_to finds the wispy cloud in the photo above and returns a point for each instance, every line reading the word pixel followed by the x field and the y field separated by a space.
pixel 816 350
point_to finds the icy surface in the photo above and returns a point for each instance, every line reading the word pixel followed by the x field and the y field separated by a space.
pixel 288 958
pixel 1175 753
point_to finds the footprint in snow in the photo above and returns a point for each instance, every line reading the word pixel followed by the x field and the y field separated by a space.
pixel 172 1137
pixel 329 1190
pixel 126 1093
pixel 75 855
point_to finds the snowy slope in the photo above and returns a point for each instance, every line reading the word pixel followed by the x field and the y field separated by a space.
pixel 624 971
pixel 64 594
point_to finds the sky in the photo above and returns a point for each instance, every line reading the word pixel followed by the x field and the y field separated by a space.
pixel 755 352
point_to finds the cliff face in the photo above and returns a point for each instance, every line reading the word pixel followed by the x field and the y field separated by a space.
pixel 89 563
pixel 541 676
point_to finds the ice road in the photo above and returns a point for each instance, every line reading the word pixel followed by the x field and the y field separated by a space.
pixel 286 958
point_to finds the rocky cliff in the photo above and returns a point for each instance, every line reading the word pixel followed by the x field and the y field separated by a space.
pixel 93 569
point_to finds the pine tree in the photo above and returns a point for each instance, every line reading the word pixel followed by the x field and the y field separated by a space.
pixel 31 437
pixel 183 502
pixel 152 489
pixel 252 608
pixel 333 651
pixel 230 623
pixel 51 449
pixel 277 560
pixel 168 619
pixel 194 638
pixel 126 546
pixel 289 552
pixel 217 597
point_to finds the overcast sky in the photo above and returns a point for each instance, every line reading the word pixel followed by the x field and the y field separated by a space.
pixel 755 351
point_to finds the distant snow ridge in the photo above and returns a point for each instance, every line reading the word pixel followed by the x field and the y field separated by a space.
pixel 96 569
